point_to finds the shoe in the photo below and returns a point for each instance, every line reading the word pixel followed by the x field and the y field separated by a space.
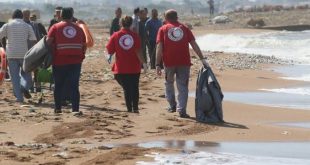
pixel 172 109
pixel 77 113
pixel 136 111
pixel 57 111
pixel 31 90
pixel 184 115
pixel 38 90
pixel 26 93
pixel 20 102
pixel 7 76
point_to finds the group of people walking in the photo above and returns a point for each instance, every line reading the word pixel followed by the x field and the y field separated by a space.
pixel 132 38
pixel 145 27
pixel 168 45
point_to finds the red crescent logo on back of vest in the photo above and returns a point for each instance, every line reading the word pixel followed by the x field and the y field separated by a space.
pixel 69 32
pixel 175 34
pixel 126 42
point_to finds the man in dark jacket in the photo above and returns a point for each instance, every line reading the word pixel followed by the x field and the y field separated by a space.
pixel 115 23
pixel 142 32
pixel 57 17
pixel 41 31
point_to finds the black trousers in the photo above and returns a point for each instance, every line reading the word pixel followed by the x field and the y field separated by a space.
pixel 130 85
pixel 152 54
pixel 67 79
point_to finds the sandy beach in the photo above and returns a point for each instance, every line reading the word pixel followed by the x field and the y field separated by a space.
pixel 33 134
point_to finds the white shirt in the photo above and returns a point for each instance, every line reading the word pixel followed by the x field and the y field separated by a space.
pixel 135 24
pixel 17 33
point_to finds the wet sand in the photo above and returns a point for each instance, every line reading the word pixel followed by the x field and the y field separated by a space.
pixel 81 139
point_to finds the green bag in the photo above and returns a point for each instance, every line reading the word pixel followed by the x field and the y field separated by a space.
pixel 45 75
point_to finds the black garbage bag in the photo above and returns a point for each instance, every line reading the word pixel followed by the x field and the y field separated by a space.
pixel 209 97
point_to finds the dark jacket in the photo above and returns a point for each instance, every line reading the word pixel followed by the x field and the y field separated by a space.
pixel 115 26
pixel 39 30
pixel 209 97
pixel 52 22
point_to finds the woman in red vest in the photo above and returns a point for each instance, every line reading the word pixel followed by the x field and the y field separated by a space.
pixel 126 45
pixel 68 42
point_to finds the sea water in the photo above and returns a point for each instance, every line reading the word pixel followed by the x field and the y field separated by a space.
pixel 281 44
pixel 232 153
pixel 206 158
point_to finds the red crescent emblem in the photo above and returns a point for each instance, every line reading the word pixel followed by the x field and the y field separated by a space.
pixel 126 42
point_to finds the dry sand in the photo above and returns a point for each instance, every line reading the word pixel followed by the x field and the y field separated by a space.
pixel 41 137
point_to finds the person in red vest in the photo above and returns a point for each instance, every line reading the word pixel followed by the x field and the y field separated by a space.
pixel 68 42
pixel 173 41
pixel 126 45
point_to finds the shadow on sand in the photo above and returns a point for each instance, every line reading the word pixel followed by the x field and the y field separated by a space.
pixel 229 125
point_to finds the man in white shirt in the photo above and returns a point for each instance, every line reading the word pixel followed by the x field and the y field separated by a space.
pixel 135 23
pixel 18 33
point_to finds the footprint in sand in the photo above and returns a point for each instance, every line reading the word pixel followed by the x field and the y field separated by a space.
pixel 165 128
pixel 179 125
pixel 150 99
pixel 153 131
pixel 162 96
pixel 173 119
pixel 36 153
pixel 128 126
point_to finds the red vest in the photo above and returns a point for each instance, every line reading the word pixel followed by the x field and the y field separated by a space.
pixel 69 41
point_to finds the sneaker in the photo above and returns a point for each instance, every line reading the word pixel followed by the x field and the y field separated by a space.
pixel 172 109
pixel 77 113
pixel 184 115
pixel 136 111
pixel 26 93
